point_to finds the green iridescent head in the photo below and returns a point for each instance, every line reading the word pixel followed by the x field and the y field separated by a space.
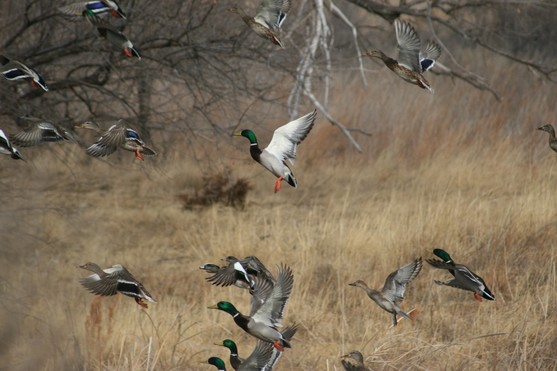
pixel 248 134
pixel 217 362
pixel 225 306
pixel 230 345
pixel 443 255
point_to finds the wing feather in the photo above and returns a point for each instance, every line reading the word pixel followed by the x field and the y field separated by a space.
pixel 408 45
pixel 286 138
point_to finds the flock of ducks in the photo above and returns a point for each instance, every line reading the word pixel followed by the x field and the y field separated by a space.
pixel 269 295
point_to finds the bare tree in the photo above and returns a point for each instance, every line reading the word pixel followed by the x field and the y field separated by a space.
pixel 200 65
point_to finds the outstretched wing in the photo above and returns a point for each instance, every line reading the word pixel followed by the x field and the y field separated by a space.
pixel 395 284
pixel 408 45
pixel 109 142
pixel 270 313
pixel 286 138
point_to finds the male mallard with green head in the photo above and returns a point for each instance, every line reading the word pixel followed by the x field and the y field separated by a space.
pixel 266 315
pixel 257 360
pixel 217 362
pixel 464 278
pixel 392 294
pixel 411 61
pixel 282 147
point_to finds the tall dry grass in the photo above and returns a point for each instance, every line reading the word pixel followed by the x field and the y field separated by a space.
pixel 454 170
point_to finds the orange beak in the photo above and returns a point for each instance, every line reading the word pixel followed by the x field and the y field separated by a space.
pixel 128 52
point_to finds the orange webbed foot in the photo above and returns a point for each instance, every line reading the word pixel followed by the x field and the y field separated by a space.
pixel 141 302
pixel 278 346
pixel 277 184
pixel 138 154
pixel 477 297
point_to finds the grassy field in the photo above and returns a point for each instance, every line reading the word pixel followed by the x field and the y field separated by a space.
pixel 453 170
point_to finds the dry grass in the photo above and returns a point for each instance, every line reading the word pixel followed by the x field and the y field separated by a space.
pixel 453 170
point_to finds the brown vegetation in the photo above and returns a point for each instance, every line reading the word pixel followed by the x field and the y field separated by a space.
pixel 454 170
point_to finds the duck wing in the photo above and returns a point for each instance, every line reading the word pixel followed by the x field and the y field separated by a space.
pixel 429 55
pixel 109 141
pixel 408 46
pixel 104 286
pixel 41 131
pixel 96 7
pixel 271 311
pixel 261 291
pixel 286 138
pixel 272 13
pixel 395 284
pixel 258 358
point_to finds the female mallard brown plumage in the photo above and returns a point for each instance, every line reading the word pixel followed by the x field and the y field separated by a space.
pixel 353 361
pixel 392 293
pixel 268 20
pixel 117 136
pixel 96 7
pixel 411 61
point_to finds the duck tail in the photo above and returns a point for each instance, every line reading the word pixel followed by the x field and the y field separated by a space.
pixel 291 180
pixel 289 332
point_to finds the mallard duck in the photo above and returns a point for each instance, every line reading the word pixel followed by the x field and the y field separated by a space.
pixel 353 361
pixel 118 39
pixel 117 136
pixel 257 360
pixel 233 274
pixel 109 281
pixel 411 61
pixel 288 334
pixel 6 147
pixel 16 70
pixel 552 140
pixel 268 20
pixel 217 362
pixel 96 7
pixel 40 131
pixel 265 317
pixel 392 293
pixel 282 147
pixel 464 278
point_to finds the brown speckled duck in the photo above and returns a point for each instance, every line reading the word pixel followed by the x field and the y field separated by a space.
pixel 392 293
pixel 268 20
pixel 411 61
